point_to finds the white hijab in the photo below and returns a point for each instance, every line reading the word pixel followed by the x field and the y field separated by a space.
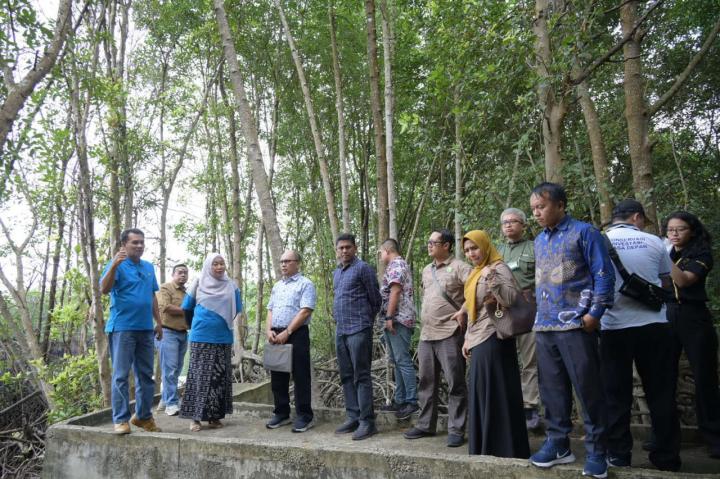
pixel 217 295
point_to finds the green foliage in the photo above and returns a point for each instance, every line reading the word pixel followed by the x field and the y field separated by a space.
pixel 76 387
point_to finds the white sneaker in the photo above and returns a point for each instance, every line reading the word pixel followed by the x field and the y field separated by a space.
pixel 172 410
pixel 160 406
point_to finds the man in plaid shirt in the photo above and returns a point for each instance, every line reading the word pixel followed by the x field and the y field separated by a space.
pixel 356 303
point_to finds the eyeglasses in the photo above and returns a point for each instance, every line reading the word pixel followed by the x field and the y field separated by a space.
pixel 433 243
pixel 286 261
pixel 678 230
pixel 510 222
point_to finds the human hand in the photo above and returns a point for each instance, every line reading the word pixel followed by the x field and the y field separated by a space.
pixel 282 338
pixel 158 332
pixel 389 327
pixel 590 323
pixel 465 350
pixel 120 256
pixel 461 318
pixel 271 336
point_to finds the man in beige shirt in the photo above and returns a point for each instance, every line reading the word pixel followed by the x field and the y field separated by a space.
pixel 174 339
pixel 441 339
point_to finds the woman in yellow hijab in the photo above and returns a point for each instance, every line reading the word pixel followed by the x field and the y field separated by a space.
pixel 496 419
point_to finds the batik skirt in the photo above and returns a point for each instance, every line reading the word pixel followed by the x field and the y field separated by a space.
pixel 208 390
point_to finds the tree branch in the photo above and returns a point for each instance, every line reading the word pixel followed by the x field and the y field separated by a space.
pixel 682 78
pixel 584 74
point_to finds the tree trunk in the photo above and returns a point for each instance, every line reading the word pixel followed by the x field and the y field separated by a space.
pixel 86 226
pixel 597 149
pixel 380 152
pixel 554 109
pixel 459 154
pixel 19 92
pixel 247 121
pixel 314 127
pixel 388 52
pixel 236 269
pixel 341 124
pixel 636 114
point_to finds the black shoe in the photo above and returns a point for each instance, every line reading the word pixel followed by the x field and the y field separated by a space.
pixel 416 433
pixel 455 440
pixel 301 425
pixel 406 411
pixel 364 431
pixel 350 425
pixel 276 421
pixel 392 407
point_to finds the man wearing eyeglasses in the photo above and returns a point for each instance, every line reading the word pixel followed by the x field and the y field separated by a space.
pixel 292 302
pixel 441 339
pixel 519 255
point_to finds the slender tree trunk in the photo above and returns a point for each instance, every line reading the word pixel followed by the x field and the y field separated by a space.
pixel 235 187
pixel 636 113
pixel 43 289
pixel 314 127
pixel 247 121
pixel 86 224
pixel 19 92
pixel 388 53
pixel 341 123
pixel 459 155
pixel 554 109
pixel 597 149
pixel 375 103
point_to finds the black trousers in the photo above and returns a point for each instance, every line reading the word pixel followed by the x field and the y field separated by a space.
pixel 693 331
pixel 280 382
pixel 650 347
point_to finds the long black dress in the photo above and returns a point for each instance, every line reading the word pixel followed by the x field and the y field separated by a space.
pixel 496 422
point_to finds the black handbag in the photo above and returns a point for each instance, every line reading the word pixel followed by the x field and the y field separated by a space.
pixel 635 286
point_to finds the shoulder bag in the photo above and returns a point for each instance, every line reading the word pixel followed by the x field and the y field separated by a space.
pixel 516 320
pixel 636 287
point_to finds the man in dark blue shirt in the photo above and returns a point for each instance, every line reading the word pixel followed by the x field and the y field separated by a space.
pixel 356 303
pixel 574 285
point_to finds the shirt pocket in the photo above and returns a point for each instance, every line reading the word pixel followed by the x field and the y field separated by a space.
pixel 526 264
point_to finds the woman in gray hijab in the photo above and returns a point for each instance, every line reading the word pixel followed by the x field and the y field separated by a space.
pixel 212 302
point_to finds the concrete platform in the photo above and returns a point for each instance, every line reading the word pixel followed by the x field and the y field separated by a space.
pixel 86 448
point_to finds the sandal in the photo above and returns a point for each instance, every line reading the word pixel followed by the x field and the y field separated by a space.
pixel 195 426
pixel 216 424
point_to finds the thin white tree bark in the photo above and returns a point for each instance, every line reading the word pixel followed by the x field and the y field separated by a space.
pixel 247 120
pixel 388 53
pixel 344 192
pixel 314 127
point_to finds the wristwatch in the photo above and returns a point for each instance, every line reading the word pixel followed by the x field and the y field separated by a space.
pixel 288 331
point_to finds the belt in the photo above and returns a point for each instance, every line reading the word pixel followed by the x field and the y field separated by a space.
pixel 176 330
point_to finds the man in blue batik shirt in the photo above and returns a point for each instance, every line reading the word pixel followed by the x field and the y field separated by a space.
pixel 357 301
pixel 292 302
pixel 574 285
pixel 131 283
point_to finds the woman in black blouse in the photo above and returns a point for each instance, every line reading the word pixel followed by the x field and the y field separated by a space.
pixel 691 320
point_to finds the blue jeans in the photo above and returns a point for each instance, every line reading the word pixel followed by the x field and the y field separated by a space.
pixel 399 347
pixel 172 349
pixel 354 356
pixel 131 349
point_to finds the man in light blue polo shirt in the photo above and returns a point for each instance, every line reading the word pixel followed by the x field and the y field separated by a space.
pixel 131 284
pixel 292 302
